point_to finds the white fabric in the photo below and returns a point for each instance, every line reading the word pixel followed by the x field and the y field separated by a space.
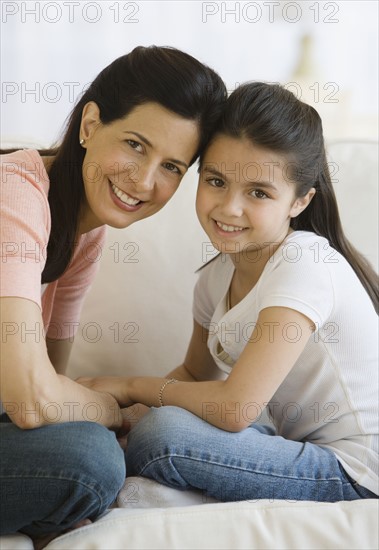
pixel 16 542
pixel 261 525
pixel 158 517
pixel 325 399
pixel 141 492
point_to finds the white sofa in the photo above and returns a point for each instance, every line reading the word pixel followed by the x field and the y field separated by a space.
pixel 137 320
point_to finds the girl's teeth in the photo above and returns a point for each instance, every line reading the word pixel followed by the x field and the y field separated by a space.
pixel 124 197
pixel 229 228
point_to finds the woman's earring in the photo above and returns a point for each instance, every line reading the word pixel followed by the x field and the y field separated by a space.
pixel 81 141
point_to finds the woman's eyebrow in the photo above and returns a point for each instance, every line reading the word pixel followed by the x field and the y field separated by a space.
pixel 149 144
pixel 140 136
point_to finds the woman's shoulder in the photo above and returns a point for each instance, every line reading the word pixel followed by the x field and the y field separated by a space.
pixel 24 166
pixel 24 194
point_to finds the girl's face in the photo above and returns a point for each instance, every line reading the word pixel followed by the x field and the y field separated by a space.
pixel 133 165
pixel 245 200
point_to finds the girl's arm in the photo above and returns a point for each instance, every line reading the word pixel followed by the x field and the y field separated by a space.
pixel 234 403
pixel 32 392
pixel 198 364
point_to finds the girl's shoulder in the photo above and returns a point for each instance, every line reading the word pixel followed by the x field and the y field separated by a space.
pixel 219 267
pixel 213 281
pixel 305 248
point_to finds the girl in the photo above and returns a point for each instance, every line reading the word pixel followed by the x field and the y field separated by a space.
pixel 129 141
pixel 286 312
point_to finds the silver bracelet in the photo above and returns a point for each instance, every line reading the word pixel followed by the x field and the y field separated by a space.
pixel 160 395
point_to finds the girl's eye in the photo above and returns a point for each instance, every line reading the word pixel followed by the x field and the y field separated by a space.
pixel 258 194
pixel 134 144
pixel 215 182
pixel 171 168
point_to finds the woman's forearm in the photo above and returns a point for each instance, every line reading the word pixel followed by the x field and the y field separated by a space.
pixel 62 400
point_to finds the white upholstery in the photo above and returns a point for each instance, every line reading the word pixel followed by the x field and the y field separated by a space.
pixel 261 525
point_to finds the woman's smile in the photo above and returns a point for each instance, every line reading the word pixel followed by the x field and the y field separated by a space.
pixel 124 200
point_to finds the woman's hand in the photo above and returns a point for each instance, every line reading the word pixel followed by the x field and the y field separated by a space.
pixel 130 417
pixel 117 386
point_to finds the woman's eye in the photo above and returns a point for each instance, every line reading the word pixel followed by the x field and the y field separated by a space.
pixel 134 144
pixel 171 167
pixel 258 194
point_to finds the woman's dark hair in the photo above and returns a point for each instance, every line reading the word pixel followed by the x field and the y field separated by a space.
pixel 164 75
pixel 273 118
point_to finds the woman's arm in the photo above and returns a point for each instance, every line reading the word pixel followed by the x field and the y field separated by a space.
pixel 234 403
pixel 59 353
pixel 32 392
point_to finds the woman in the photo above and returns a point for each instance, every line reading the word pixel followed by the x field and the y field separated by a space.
pixel 129 141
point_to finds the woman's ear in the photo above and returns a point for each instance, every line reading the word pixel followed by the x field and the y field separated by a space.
pixel 301 203
pixel 90 120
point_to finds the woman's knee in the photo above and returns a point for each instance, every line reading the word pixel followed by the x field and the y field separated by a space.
pixel 72 471
pixel 94 450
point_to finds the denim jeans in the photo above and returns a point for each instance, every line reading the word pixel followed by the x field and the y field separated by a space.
pixel 54 476
pixel 178 449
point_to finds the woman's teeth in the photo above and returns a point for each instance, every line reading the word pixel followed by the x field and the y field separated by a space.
pixel 127 199
pixel 229 228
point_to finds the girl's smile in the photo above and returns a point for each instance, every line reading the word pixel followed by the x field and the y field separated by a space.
pixel 227 230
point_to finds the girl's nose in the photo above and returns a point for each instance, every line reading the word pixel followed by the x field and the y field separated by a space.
pixel 231 205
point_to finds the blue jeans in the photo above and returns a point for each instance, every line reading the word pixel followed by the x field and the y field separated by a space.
pixel 54 476
pixel 178 449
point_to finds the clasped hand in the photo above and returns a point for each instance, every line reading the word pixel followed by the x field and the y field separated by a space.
pixel 115 385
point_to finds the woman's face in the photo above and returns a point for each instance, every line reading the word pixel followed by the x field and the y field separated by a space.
pixel 133 165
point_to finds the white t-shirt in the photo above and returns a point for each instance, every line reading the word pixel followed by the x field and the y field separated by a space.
pixel 330 397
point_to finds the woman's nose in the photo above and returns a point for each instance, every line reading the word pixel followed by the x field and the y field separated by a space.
pixel 142 177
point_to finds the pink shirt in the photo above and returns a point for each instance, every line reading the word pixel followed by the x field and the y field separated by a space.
pixel 25 229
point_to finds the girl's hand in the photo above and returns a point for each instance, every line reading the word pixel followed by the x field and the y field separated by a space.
pixel 115 385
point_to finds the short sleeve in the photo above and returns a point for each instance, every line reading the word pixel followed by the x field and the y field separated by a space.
pixel 211 286
pixel 298 283
pixel 202 309
pixel 25 225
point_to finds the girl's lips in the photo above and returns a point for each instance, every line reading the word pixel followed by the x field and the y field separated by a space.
pixel 224 233
pixel 123 205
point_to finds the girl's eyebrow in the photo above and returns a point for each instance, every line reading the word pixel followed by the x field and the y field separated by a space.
pixel 259 183
pixel 149 144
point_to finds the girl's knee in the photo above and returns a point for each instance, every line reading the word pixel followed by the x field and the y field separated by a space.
pixel 161 425
pixel 162 432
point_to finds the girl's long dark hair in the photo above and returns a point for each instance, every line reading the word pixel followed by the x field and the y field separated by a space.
pixel 164 75
pixel 272 117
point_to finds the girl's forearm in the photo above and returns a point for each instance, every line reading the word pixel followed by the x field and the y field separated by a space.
pixel 207 400
pixel 181 373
